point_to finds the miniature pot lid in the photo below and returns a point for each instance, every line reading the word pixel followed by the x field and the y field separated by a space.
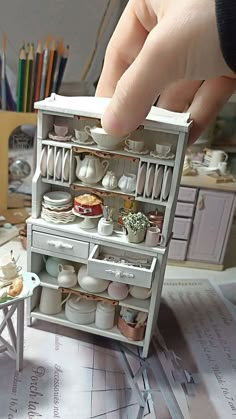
pixel 107 308
pixel 57 198
pixel 81 305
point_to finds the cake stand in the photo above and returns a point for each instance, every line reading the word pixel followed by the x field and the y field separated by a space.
pixel 89 221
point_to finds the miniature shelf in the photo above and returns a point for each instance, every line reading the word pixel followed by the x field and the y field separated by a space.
pixel 49 281
pixel 99 189
pixel 54 143
pixel 60 319
pixel 56 182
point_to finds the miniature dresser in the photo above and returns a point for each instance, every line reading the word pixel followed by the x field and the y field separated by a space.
pixel 71 237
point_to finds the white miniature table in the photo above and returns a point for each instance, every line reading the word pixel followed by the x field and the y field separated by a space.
pixel 16 347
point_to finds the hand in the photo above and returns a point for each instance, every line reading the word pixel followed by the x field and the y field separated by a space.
pixel 168 48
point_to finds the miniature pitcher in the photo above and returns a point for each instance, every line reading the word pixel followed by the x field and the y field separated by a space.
pixel 91 169
pixel 67 277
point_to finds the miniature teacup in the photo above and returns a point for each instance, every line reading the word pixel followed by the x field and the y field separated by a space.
pixel 8 267
pixel 82 135
pixel 154 237
pixel 134 145
pixel 163 149
pixel 60 130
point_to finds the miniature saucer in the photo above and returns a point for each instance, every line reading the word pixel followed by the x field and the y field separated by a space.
pixel 55 137
pixel 136 152
pixel 89 142
pixel 159 156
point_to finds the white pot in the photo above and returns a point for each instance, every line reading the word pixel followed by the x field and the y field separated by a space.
pixel 105 314
pixel 110 181
pixel 80 311
pixel 50 301
pixel 105 227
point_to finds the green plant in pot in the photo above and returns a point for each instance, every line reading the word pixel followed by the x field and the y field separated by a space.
pixel 136 225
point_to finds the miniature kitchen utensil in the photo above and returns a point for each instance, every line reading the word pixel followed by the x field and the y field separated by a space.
pixel 105 315
pixel 104 140
pixel 66 277
pixel 90 283
pixel 79 310
pixel 91 169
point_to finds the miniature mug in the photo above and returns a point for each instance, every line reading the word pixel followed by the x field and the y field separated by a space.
pixel 60 130
pixel 134 145
pixel 82 134
pixel 154 237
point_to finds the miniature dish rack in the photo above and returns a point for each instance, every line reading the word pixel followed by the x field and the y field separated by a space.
pixel 107 257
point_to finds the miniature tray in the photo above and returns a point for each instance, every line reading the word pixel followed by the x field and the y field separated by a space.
pixel 30 282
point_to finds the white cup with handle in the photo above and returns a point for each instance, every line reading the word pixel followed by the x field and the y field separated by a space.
pixel 217 157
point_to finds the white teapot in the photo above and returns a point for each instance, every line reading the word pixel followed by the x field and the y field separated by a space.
pixel 91 169
pixel 127 182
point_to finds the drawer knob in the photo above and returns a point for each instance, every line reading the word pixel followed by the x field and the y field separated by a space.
pixel 60 245
pixel 119 274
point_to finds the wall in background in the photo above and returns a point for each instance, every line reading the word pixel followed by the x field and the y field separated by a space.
pixel 77 21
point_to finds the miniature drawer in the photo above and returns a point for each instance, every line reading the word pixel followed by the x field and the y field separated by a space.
pixel 178 249
pixel 120 272
pixel 67 247
pixel 184 210
pixel 182 228
pixel 187 194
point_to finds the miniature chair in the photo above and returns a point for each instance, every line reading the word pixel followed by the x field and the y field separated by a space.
pixel 8 308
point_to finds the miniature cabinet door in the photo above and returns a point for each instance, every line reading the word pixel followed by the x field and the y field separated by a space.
pixel 210 226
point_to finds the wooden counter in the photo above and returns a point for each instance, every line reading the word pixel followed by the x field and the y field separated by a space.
pixel 204 181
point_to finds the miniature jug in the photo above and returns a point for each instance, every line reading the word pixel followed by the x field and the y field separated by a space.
pixel 67 277
pixel 91 169
pixel 51 265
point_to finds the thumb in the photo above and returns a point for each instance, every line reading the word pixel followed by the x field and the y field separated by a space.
pixel 158 64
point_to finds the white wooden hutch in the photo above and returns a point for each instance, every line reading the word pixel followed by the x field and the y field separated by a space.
pixel 85 246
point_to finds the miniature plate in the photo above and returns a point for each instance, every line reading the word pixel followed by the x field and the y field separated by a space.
pixel 55 137
pixel 89 142
pixel 66 166
pixel 158 182
pixel 43 161
pixel 167 183
pixel 150 181
pixel 50 161
pixel 159 156
pixel 136 152
pixel 141 178
pixel 58 164
pixel 58 198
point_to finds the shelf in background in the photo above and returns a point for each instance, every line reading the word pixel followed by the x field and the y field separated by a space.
pixel 49 281
pixel 55 182
pixel 99 188
pixel 60 319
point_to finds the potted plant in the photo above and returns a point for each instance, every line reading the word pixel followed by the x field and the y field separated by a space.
pixel 136 225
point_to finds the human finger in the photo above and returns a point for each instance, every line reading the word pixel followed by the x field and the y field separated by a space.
pixel 208 100
pixel 156 66
pixel 178 96
pixel 124 46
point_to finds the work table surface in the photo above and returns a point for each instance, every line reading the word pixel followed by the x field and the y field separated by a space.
pixel 203 181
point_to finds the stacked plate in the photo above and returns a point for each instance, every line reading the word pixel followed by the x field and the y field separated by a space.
pixel 57 207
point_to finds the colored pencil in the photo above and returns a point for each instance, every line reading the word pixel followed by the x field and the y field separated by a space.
pixel 26 81
pixel 62 67
pixel 54 66
pixel 20 80
pixel 45 69
pixel 30 79
pixel 38 71
pixel 3 74
pixel 50 65
pixel 60 51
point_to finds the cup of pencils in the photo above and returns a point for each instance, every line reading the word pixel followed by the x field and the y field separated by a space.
pixel 40 72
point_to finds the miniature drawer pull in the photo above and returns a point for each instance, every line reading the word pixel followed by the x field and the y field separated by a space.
pixel 59 245
pixel 119 274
